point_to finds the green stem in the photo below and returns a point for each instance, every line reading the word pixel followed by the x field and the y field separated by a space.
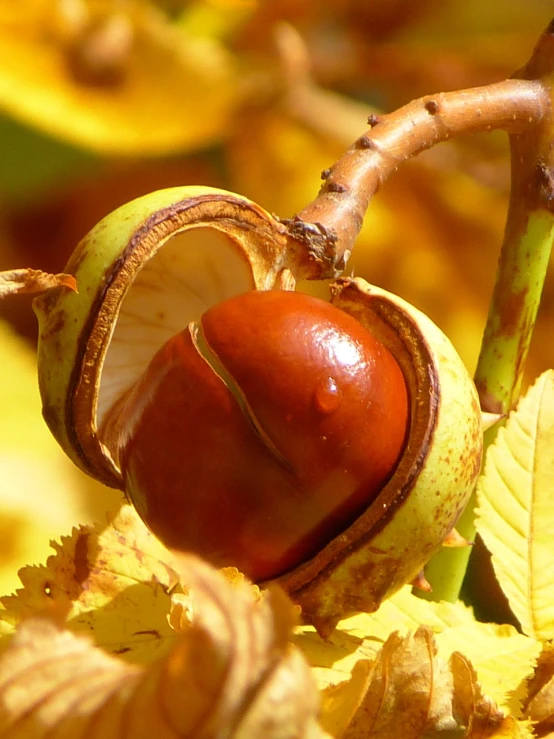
pixel 522 268
pixel 520 278
pixel 446 571
pixel 513 310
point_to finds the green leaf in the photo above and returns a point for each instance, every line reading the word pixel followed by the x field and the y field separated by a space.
pixel 516 509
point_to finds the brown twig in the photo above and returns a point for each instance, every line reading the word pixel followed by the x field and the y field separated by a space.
pixel 330 225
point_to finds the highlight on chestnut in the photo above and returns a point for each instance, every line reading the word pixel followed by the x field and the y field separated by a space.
pixel 260 433
pixel 300 440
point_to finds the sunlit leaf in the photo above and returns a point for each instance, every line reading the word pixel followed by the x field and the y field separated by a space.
pixel 340 702
pixel 334 658
pixel 215 18
pixel 516 509
pixel 404 612
pixel 502 658
pixel 115 582
pixel 34 684
pixel 361 636
pixel 231 675
pixel 341 663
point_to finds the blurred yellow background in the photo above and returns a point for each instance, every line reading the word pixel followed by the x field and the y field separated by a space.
pixel 105 100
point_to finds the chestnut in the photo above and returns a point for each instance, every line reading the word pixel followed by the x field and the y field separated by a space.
pixel 330 447
pixel 260 433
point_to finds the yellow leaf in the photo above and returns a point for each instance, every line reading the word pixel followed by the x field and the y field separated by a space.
pixel 44 670
pixel 115 583
pixel 231 675
pixel 339 703
pixel 405 612
pixel 476 711
pixel 340 663
pixel 334 658
pixel 516 509
pixel 216 18
pixel 511 728
pixel 502 658
pixel 33 281
pixel 114 78
pixel 361 636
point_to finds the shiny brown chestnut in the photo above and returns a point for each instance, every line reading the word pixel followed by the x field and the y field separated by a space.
pixel 158 265
pixel 260 433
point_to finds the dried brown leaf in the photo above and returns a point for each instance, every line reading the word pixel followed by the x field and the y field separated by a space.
pixel 233 674
pixel 539 706
pixel 413 693
pixel 33 281
pixel 470 707
pixel 45 671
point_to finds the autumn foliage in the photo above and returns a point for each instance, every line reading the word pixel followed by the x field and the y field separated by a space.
pixel 115 636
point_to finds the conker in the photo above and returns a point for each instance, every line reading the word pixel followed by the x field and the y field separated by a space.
pixel 259 434
pixel 273 435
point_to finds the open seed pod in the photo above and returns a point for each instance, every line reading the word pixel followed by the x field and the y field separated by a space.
pixel 415 511
pixel 142 276
pixel 159 263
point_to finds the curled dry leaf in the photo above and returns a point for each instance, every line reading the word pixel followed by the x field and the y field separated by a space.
pixel 341 664
pixel 503 658
pixel 412 693
pixel 232 674
pixel 539 706
pixel 115 582
pixel 33 281
pixel 340 702
pixel 360 637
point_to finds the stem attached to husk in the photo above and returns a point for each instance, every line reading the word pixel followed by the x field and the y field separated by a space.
pixel 526 249
pixel 522 267
pixel 330 225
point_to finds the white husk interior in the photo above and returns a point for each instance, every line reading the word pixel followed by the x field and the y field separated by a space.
pixel 190 272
